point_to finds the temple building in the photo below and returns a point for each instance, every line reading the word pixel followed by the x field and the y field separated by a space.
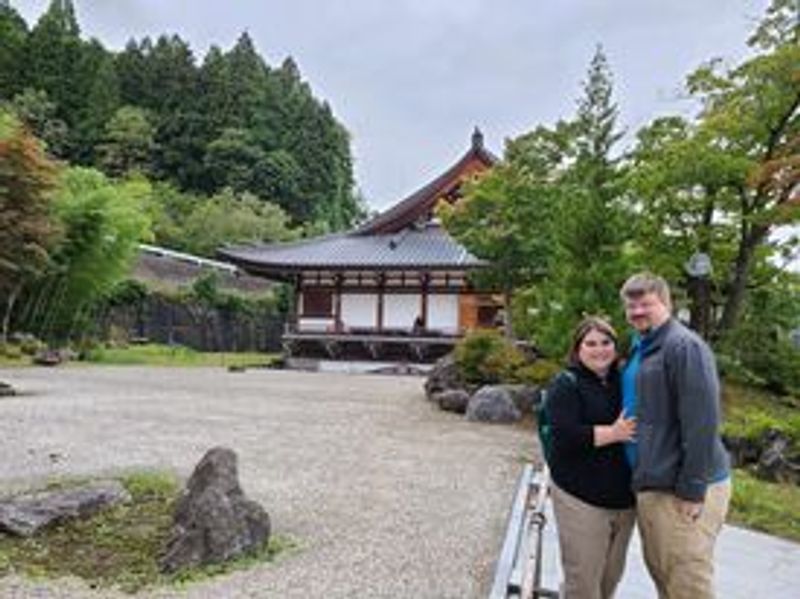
pixel 396 287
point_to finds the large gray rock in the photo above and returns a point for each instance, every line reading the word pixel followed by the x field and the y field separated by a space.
pixel 742 450
pixel 213 520
pixel 492 403
pixel 443 377
pixel 524 397
pixel 25 515
pixel 774 463
pixel 6 390
pixel 452 400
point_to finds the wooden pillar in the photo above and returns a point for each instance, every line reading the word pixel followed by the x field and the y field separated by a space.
pixel 423 302
pixel 381 289
pixel 337 303
pixel 294 308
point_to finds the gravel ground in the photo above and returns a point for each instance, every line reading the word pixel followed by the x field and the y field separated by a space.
pixel 386 495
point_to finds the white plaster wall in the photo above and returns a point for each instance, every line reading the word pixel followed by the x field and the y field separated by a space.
pixel 314 325
pixel 443 312
pixel 360 310
pixel 400 310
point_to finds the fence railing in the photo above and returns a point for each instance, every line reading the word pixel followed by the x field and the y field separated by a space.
pixel 519 570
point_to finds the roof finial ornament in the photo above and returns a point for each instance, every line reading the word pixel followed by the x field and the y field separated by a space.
pixel 477 138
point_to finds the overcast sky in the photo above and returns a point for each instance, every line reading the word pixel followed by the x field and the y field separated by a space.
pixel 411 78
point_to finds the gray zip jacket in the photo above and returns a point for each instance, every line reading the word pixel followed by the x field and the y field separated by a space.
pixel 678 415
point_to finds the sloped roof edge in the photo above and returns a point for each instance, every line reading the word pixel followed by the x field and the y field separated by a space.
pixel 426 196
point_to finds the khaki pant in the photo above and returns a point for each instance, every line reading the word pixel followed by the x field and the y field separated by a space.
pixel 594 543
pixel 678 551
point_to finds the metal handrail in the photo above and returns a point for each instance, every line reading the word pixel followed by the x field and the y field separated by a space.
pixel 518 573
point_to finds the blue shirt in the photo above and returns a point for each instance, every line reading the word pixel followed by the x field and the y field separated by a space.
pixel 630 401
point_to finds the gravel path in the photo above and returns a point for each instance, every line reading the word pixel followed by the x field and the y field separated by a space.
pixel 386 496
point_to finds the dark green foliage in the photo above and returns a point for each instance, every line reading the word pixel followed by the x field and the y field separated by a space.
pixel 13 32
pixel 232 122
pixel 38 113
pixel 225 218
pixel 760 343
pixel 128 143
pixel 552 220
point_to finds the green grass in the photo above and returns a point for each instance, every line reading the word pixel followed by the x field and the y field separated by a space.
pixel 14 362
pixel 766 506
pixel 769 507
pixel 165 355
pixel 751 412
pixel 120 546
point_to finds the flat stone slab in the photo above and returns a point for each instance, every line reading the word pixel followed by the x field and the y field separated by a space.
pixel 26 514
pixel 747 564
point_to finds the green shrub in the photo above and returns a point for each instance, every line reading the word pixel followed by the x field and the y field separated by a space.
pixel 30 345
pixel 755 423
pixel 486 357
pixel 9 350
pixel 538 373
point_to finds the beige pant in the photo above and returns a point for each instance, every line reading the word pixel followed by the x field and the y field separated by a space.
pixel 678 551
pixel 594 542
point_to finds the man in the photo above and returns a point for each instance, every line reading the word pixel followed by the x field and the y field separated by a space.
pixel 681 471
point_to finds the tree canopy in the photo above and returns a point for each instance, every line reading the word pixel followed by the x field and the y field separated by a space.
pixel 570 213
pixel 230 120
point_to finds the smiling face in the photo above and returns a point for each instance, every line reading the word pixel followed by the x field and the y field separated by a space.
pixel 646 311
pixel 597 351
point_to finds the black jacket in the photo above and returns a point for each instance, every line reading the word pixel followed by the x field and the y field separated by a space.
pixel 599 476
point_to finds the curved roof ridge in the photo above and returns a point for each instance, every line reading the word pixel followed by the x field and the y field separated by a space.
pixel 427 194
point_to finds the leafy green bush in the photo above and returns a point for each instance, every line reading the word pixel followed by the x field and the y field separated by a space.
pixel 487 357
pixel 30 345
pixel 754 423
pixel 761 342
pixel 538 373
pixel 9 350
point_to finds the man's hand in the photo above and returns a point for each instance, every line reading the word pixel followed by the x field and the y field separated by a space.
pixel 623 429
pixel 689 510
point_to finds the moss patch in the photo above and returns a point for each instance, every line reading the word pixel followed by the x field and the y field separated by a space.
pixel 164 355
pixel 119 547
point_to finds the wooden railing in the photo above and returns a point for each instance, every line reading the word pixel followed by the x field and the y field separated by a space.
pixel 519 570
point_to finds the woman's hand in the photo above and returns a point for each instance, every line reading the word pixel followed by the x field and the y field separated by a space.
pixel 623 429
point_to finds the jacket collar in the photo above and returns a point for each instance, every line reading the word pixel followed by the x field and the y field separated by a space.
pixel 654 338
pixel 581 370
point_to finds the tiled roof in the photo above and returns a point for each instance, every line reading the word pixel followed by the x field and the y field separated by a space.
pixel 430 247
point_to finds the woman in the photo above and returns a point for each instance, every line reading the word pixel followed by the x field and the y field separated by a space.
pixel 591 493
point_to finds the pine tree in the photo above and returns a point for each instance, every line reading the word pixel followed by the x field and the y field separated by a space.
pixel 590 238
pixel 13 33
pixel 101 102
pixel 53 59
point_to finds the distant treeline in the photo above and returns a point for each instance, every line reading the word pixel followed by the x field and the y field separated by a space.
pixel 231 122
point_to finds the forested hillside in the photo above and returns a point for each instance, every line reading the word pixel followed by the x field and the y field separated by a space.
pixel 226 121
pixel 101 150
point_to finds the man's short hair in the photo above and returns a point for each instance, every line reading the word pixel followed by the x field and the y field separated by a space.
pixel 643 283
